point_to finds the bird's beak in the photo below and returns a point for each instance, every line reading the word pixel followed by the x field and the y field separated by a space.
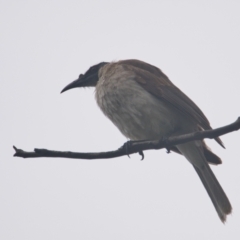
pixel 74 84
pixel 84 80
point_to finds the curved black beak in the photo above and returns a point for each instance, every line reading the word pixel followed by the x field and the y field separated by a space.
pixel 89 79
pixel 74 84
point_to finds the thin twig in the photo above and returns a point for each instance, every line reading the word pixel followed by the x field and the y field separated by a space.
pixel 132 146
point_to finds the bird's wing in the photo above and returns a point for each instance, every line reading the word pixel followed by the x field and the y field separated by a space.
pixel 157 83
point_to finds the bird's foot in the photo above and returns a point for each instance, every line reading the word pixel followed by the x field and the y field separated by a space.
pixel 127 146
pixel 165 141
pixel 142 154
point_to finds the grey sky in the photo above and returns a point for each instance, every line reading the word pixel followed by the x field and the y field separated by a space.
pixel 44 46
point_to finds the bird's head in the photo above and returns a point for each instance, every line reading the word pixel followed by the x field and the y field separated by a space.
pixel 88 79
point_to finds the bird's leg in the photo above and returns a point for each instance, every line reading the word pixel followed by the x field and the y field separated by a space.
pixel 142 154
pixel 165 140
pixel 128 144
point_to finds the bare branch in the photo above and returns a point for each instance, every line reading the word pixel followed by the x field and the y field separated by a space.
pixel 132 146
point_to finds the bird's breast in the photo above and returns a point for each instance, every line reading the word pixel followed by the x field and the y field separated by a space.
pixel 136 113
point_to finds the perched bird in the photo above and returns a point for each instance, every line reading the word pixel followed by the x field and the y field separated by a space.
pixel 145 105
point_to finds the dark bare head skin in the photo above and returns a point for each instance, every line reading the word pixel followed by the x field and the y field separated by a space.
pixel 88 79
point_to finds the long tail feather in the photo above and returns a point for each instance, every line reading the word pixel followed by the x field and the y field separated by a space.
pixel 193 151
pixel 215 192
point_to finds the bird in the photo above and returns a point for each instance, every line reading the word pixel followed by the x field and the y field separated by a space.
pixel 144 104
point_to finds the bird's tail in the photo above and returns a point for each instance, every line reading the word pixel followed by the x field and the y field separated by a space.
pixel 193 151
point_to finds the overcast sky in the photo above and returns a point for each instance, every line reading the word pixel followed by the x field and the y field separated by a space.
pixel 45 45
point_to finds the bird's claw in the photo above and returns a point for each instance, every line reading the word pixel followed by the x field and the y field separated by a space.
pixel 165 140
pixel 127 145
pixel 142 154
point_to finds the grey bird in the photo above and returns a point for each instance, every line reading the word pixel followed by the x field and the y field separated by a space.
pixel 145 105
